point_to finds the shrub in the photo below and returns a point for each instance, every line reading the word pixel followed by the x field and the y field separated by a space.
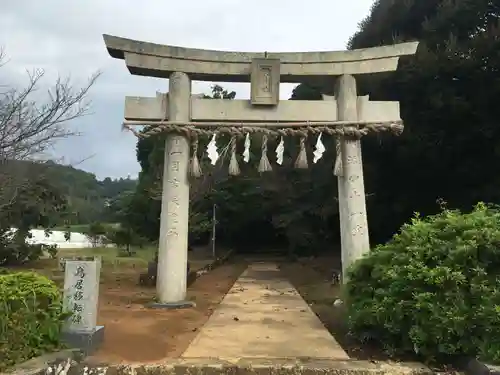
pixel 433 288
pixel 31 317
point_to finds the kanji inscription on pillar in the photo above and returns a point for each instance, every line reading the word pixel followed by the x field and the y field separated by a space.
pixel 175 166
pixel 355 188
pixel 174 182
pixel 173 204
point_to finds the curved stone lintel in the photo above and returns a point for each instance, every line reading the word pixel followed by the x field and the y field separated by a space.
pixel 156 60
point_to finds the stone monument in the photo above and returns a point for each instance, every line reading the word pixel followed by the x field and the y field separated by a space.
pixel 184 117
pixel 81 293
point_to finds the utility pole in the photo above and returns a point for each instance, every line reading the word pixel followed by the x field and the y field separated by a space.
pixel 214 223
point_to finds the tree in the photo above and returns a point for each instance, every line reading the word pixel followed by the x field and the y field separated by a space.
pixel 36 205
pixel 124 234
pixel 29 126
pixel 446 91
pixel 451 130
pixel 96 233
pixel 125 237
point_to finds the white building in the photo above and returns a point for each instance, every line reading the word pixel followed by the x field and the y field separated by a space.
pixel 76 241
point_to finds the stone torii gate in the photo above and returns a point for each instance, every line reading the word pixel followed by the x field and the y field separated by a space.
pixel 344 115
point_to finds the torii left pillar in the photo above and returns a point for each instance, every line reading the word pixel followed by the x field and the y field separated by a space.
pixel 174 220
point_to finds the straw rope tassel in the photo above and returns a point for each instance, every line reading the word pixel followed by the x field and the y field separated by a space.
pixel 234 168
pixel 194 167
pixel 264 165
pixel 301 162
pixel 338 170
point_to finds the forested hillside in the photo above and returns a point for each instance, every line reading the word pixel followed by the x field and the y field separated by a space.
pixel 87 198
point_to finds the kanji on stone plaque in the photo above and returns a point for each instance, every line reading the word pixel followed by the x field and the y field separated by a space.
pixel 81 292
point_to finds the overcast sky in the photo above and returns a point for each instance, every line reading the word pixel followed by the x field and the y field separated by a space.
pixel 65 38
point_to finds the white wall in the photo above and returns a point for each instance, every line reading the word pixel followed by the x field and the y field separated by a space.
pixel 77 240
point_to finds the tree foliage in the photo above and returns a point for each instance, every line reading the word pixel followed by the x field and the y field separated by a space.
pixel 124 235
pixel 446 93
pixel 125 238
pixel 88 198
pixel 96 233
pixel 36 205
pixel 432 289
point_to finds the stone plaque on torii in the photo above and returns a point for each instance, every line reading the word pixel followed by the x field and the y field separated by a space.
pixel 185 116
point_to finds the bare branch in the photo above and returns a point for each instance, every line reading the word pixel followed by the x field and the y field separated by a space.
pixel 29 126
pixel 2 57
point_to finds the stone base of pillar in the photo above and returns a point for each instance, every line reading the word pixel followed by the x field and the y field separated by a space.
pixel 171 305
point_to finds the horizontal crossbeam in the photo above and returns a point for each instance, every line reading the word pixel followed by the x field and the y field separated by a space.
pixel 231 112
pixel 156 60
pixel 297 124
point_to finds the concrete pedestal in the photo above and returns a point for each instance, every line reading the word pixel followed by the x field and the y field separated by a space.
pixel 87 341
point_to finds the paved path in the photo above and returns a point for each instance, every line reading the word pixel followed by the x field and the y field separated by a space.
pixel 263 316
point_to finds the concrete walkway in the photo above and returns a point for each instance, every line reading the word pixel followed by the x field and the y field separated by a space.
pixel 263 316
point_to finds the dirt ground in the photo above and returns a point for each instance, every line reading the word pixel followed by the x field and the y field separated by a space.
pixel 312 277
pixel 134 333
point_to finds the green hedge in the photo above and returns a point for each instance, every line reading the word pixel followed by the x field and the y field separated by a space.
pixel 434 289
pixel 31 317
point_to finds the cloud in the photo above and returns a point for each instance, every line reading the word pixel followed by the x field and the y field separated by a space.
pixel 65 38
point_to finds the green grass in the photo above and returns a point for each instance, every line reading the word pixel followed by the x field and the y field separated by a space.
pixel 111 254
pixel 113 262
pixel 115 259
pixel 80 228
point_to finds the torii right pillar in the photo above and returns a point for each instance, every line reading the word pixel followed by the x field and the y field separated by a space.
pixel 355 240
